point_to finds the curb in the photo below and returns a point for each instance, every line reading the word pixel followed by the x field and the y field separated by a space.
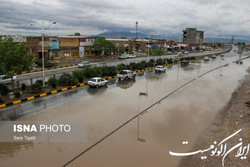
pixel 45 69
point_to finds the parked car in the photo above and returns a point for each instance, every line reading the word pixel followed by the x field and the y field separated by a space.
pixel 131 56
pixel 184 62
pixel 206 58
pixel 126 74
pixel 96 82
pixel 101 64
pixel 160 69
pixel 123 56
pixel 214 57
pixel 83 64
pixel 6 79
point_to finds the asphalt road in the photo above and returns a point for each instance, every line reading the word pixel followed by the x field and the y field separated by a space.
pixel 25 78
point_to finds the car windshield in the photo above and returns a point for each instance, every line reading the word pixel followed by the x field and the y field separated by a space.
pixel 93 80
pixel 123 72
pixel 84 62
pixel 159 67
pixel 5 77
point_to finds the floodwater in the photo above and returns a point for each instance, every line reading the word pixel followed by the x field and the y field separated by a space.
pixel 146 140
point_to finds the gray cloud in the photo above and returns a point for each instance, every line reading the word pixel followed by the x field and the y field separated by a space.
pixel 215 17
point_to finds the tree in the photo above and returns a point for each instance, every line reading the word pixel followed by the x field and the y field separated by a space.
pixel 14 58
pixel 120 49
pixel 101 44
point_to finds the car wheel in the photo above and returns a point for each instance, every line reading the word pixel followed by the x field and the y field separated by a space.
pixel 119 79
pixel 105 85
pixel 126 78
pixel 133 76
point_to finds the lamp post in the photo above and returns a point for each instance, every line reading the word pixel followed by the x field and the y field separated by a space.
pixel 149 41
pixel 43 31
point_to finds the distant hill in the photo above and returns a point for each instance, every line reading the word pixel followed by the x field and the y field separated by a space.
pixel 169 37
pixel 133 35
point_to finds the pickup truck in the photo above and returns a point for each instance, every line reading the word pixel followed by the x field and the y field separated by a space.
pixel 126 74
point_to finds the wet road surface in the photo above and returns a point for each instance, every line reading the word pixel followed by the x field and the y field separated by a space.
pixel 147 139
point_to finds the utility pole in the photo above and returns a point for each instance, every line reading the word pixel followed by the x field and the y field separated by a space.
pixel 136 27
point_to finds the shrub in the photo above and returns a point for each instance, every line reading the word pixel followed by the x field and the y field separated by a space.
pixel 121 67
pixel 4 90
pixel 46 63
pixel 170 61
pixel 78 75
pixel 89 72
pixel 1 99
pixel 67 80
pixel 40 82
pixel 23 86
pixel 108 71
pixel 17 94
pixel 152 60
pixel 133 66
pixel 36 87
pixel 53 82
pixel 150 64
pixel 159 62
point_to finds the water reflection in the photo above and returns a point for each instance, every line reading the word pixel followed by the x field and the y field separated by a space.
pixel 99 90
pixel 125 84
pixel 156 76
pixel 8 150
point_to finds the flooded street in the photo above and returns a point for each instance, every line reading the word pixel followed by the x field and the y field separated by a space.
pixel 145 141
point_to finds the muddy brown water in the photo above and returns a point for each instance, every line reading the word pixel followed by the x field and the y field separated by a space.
pixel 145 141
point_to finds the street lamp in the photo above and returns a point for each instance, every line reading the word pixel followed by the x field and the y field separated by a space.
pixel 43 32
pixel 149 41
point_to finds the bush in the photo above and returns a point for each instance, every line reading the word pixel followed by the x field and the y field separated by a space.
pixel 67 80
pixel 53 82
pixel 1 99
pixel 159 62
pixel 150 64
pixel 23 86
pixel 152 60
pixel 133 66
pixel 108 71
pixel 170 61
pixel 89 72
pixel 36 87
pixel 120 67
pixel 40 82
pixel 4 90
pixel 17 94
pixel 46 63
pixel 78 75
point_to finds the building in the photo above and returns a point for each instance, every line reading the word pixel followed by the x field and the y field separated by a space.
pixel 193 36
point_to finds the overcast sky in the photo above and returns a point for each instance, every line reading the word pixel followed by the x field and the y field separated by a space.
pixel 90 17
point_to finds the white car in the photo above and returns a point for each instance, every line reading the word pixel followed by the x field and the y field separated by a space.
pixel 123 56
pixel 6 79
pixel 160 69
pixel 131 56
pixel 83 64
pixel 206 58
pixel 126 74
pixel 97 81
